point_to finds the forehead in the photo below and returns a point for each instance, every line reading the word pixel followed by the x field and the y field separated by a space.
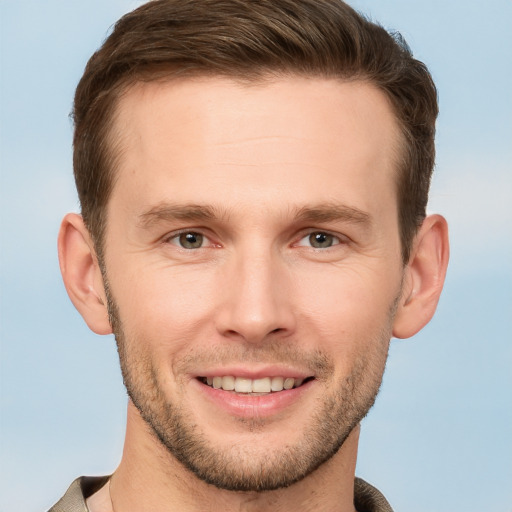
pixel 213 139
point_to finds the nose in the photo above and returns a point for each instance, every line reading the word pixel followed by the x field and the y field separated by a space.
pixel 256 299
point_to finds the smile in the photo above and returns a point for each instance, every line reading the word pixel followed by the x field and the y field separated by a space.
pixel 263 385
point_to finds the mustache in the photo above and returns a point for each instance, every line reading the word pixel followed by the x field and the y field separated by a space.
pixel 310 361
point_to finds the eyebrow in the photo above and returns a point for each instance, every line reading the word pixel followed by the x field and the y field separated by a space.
pixel 325 212
pixel 333 212
pixel 169 212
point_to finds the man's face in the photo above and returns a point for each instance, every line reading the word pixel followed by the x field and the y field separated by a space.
pixel 253 242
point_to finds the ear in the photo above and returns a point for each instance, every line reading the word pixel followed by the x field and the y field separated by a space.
pixel 424 277
pixel 81 273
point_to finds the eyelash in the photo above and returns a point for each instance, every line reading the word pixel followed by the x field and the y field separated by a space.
pixel 175 239
pixel 336 239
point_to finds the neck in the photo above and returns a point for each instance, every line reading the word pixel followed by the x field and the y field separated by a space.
pixel 149 478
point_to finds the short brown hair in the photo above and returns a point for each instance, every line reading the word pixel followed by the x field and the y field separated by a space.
pixel 245 40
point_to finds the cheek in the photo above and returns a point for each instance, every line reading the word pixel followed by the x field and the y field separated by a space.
pixel 165 306
pixel 347 309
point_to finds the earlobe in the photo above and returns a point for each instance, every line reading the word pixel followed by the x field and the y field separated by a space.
pixel 424 277
pixel 81 273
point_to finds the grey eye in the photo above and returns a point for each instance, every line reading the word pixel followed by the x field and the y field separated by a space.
pixel 190 240
pixel 321 240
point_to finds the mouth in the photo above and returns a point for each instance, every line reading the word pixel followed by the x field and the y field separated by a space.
pixel 254 387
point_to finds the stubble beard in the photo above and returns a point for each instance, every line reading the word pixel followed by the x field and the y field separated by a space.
pixel 244 467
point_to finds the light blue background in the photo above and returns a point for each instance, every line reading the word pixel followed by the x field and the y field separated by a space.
pixel 439 438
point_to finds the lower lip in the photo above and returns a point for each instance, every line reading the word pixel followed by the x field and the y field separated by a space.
pixel 248 406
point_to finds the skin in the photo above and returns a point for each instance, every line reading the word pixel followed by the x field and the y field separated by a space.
pixel 271 164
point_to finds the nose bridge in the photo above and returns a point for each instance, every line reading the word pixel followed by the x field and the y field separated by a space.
pixel 257 303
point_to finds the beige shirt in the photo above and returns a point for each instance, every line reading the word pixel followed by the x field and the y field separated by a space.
pixel 366 497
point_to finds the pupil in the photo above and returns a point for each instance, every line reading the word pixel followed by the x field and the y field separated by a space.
pixel 320 240
pixel 191 240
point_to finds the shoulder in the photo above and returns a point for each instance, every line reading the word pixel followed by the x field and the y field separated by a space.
pixel 369 499
pixel 78 492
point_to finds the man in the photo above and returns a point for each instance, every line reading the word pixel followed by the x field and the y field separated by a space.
pixel 253 178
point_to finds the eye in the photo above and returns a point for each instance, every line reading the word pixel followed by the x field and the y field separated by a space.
pixel 319 240
pixel 188 240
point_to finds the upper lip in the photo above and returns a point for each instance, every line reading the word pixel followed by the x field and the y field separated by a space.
pixel 255 372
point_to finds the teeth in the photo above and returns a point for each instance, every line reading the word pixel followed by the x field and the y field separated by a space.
pixel 261 385
pixel 228 383
pixel 288 383
pixel 277 384
pixel 243 385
